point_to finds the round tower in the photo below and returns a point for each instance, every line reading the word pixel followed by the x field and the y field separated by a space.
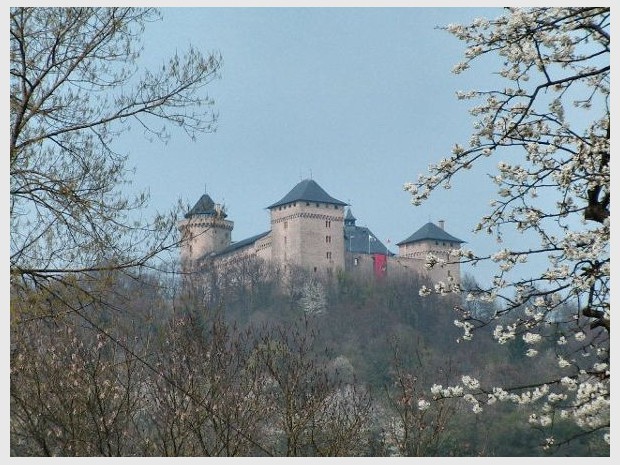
pixel 204 231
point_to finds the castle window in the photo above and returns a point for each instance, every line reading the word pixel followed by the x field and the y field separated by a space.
pixel 286 225
pixel 315 269
pixel 328 224
pixel 356 261
pixel 329 255
pixel 328 239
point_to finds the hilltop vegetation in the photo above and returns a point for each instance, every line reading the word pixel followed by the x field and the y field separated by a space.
pixel 244 366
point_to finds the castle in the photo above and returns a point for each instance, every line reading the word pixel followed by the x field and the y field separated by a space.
pixel 312 230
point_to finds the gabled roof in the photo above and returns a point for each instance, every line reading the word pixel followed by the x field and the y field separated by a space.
pixel 204 206
pixel 430 232
pixel 309 191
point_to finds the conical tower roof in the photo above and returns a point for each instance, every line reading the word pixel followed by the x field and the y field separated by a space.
pixel 309 191
pixel 349 219
pixel 204 206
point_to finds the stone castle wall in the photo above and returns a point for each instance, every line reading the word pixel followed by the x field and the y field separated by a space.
pixel 308 234
pixel 204 234
pixel 311 235
pixel 418 252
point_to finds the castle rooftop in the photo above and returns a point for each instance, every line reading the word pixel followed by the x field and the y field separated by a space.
pixel 360 239
pixel 204 206
pixel 430 232
pixel 307 190
pixel 241 244
pixel 349 219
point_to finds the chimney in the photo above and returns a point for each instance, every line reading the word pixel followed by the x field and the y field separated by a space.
pixel 441 223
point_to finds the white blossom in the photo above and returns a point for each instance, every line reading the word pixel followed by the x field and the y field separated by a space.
pixel 580 336
pixel 562 362
pixel 423 404
pixel 600 367
pixel 470 383
pixel 436 389
pixel 555 397
pixel 551 187
pixel 532 338
pixel 424 291
pixel 570 383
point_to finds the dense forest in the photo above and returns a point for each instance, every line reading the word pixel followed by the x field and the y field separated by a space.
pixel 255 362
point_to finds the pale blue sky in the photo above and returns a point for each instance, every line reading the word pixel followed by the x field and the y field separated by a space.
pixel 359 99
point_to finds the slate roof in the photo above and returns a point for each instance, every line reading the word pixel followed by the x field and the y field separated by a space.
pixel 349 219
pixel 204 206
pixel 309 191
pixel 241 244
pixel 430 232
pixel 357 240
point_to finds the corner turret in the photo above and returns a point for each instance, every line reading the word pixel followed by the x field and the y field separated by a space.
pixel 204 231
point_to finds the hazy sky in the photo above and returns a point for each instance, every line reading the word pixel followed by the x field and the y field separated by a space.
pixel 359 99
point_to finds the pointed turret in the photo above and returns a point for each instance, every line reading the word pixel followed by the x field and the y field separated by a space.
pixel 205 231
pixel 207 207
pixel 349 219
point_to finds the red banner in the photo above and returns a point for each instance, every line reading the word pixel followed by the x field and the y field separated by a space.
pixel 380 265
